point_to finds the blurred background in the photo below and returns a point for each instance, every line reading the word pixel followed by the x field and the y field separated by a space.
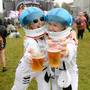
pixel 74 6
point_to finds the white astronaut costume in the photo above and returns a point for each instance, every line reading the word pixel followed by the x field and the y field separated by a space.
pixel 57 15
pixel 24 73
pixel 70 61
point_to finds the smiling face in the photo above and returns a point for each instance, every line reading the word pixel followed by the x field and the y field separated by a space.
pixel 55 27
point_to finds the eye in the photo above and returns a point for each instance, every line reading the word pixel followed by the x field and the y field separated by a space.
pixel 35 21
pixel 49 24
pixel 54 25
pixel 41 18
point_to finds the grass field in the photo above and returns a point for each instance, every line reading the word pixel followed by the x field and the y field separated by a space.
pixel 14 51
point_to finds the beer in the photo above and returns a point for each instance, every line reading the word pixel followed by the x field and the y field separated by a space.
pixel 37 63
pixel 54 58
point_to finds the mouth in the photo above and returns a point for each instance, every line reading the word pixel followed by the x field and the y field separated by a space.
pixel 38 26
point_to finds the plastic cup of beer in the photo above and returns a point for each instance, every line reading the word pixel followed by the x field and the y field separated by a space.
pixel 53 53
pixel 54 57
pixel 37 62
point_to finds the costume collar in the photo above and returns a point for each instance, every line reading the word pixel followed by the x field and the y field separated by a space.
pixel 35 32
pixel 59 35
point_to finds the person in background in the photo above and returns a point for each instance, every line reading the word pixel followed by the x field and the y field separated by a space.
pixel 3 35
pixel 80 25
pixel 59 29
pixel 20 9
pixel 87 21
pixel 11 29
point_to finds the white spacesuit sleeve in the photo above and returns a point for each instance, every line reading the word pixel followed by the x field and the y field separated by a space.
pixel 30 45
pixel 72 48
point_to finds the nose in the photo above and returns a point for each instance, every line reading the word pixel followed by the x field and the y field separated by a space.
pixel 40 23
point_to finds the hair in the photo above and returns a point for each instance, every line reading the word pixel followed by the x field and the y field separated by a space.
pixel 29 26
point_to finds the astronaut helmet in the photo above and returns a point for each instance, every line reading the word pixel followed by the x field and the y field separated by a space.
pixel 59 23
pixel 33 21
pixel 60 15
pixel 28 15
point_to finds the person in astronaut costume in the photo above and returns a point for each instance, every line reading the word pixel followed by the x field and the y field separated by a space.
pixel 59 28
pixel 32 20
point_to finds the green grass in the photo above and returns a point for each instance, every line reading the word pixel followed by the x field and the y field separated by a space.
pixel 84 62
pixel 14 52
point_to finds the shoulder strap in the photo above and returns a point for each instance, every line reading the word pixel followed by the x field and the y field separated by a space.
pixel 64 67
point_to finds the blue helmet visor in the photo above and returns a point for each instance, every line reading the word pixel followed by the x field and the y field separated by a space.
pixel 29 18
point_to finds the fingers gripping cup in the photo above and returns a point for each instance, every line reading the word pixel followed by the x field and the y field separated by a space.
pixel 54 55
pixel 37 62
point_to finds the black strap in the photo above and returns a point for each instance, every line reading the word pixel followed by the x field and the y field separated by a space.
pixel 44 68
pixel 64 66
pixel 46 77
pixel 68 88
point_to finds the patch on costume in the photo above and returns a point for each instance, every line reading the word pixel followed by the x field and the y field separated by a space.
pixel 26 80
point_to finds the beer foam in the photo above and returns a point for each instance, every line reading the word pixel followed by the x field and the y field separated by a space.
pixel 53 50
pixel 38 56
